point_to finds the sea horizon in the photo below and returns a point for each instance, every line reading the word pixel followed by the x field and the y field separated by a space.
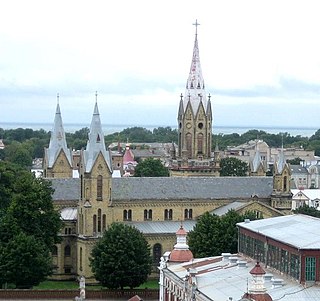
pixel 113 128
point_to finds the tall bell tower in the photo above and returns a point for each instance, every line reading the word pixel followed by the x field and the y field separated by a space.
pixel 194 157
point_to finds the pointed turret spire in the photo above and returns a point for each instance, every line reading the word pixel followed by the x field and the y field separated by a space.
pixel 57 140
pixel 195 91
pixel 96 143
pixel 281 161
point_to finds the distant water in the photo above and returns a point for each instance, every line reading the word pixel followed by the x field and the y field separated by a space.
pixel 112 128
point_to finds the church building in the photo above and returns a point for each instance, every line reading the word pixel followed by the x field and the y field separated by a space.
pixel 157 207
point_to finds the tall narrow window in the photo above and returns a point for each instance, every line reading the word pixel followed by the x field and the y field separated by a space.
pixel 310 268
pixel 99 188
pixel 80 259
pixel 67 251
pixel 99 220
pixel 285 183
pixel 94 221
pixel 189 145
pixel 81 187
pixel 54 251
pixel 200 143
pixel 104 222
pixel 157 253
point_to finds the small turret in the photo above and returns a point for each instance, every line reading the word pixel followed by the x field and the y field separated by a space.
pixel 181 252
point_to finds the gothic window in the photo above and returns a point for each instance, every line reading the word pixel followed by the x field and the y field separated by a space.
pixel 104 222
pixel 189 145
pixel 81 187
pixel 188 214
pixel 168 214
pixel 157 253
pixel 67 251
pixel 99 187
pixel 54 251
pixel 94 221
pixel 147 214
pixel 200 143
pixel 127 215
pixel 99 220
pixel 285 183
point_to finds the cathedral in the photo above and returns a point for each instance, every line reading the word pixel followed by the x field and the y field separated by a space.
pixel 90 199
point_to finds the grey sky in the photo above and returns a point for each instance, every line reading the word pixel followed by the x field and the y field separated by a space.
pixel 260 60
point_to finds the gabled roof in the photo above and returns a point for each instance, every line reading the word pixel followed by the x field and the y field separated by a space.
pixel 174 188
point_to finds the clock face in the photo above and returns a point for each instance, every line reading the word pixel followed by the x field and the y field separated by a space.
pixel 188 125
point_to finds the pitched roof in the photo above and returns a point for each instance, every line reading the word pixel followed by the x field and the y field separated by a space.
pixel 173 188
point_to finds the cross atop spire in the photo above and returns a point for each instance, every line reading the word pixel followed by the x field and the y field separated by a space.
pixel 196 25
pixel 58 98
pixel 96 96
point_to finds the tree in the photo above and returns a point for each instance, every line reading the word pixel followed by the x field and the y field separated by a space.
pixel 24 261
pixel 151 168
pixel 233 167
pixel 213 235
pixel 121 257
pixel 17 153
pixel 307 211
pixel 295 161
pixel 27 216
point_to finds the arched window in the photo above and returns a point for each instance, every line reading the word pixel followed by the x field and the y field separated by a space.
pixel 157 253
pixel 54 251
pixel 127 215
pixel 94 221
pixel 99 220
pixel 67 251
pixel 104 222
pixel 147 214
pixel 168 214
pixel 200 143
pixel 285 183
pixel 99 188
pixel 188 213
pixel 189 145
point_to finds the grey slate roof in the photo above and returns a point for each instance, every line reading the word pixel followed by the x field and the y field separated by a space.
pixel 191 188
pixel 298 169
pixel 177 188
pixel 224 209
pixel 65 189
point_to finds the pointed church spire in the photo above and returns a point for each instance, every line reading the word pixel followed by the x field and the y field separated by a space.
pixel 96 143
pixel 57 140
pixel 195 92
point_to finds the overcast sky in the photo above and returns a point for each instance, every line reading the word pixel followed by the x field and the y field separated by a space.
pixel 260 60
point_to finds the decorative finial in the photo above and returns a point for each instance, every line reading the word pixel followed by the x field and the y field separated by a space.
pixel 96 96
pixel 181 96
pixel 209 96
pixel 196 25
pixel 58 98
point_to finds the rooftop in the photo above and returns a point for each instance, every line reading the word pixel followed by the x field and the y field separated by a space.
pixel 298 230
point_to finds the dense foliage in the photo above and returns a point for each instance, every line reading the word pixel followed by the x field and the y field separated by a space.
pixel 121 258
pixel 233 167
pixel 307 211
pixel 151 168
pixel 213 235
pixel 29 227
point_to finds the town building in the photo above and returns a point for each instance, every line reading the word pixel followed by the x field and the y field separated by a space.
pixel 278 259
